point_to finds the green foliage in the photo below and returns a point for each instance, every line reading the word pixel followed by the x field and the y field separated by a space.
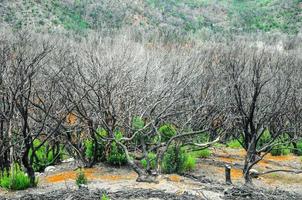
pixel 176 160
pixel 70 17
pixel 89 149
pixel 190 163
pixel 299 148
pixel 105 197
pixel 204 153
pixel 167 131
pixel 117 155
pixel 15 179
pixel 81 178
pixel 235 144
pixel 265 15
pixel 44 156
pixel 138 123
pixel 264 139
pixel 173 18
pixel 102 132
pixel 152 161
pixel 280 150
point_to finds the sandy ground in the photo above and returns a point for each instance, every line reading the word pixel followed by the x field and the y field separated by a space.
pixel 208 185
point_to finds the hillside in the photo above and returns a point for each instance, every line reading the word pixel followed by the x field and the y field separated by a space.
pixel 186 17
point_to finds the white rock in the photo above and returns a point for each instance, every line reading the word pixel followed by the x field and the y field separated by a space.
pixel 50 169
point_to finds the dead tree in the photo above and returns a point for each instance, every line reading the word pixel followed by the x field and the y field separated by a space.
pixel 260 87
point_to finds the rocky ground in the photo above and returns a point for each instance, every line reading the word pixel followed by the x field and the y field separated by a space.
pixel 206 182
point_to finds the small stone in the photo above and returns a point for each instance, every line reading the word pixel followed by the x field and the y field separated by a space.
pixel 254 173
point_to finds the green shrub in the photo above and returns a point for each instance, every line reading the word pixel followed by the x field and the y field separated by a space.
pixel 44 156
pixel 204 153
pixel 190 163
pixel 81 178
pixel 298 151
pixel 117 155
pixel 138 123
pixel 89 149
pixel 280 150
pixel 235 144
pixel 15 179
pixel 264 139
pixel 167 131
pixel 152 160
pixel 176 160
pixel 105 197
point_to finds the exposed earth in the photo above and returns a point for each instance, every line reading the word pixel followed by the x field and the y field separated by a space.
pixel 205 182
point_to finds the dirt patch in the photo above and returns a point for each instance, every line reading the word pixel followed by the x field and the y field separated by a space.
pixel 91 174
pixel 70 175
pixel 174 178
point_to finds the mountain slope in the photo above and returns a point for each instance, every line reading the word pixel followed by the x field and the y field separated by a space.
pixel 181 16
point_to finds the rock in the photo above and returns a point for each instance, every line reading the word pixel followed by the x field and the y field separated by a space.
pixel 50 169
pixel 68 160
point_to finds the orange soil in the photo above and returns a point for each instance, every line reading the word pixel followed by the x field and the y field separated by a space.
pixel 174 178
pixel 235 173
pixel 228 160
pixel 69 175
pixel 91 174
pixel 279 158
pixel 71 118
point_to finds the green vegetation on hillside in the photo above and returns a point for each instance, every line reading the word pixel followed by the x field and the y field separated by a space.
pixel 184 17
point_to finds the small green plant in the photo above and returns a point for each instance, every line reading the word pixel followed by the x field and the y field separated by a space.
pixel 117 155
pixel 280 150
pixel 176 160
pixel 190 163
pixel 204 153
pixel 152 160
pixel 298 150
pixel 235 144
pixel 167 131
pixel 105 197
pixel 14 179
pixel 44 155
pixel 264 139
pixel 138 123
pixel 89 148
pixel 81 178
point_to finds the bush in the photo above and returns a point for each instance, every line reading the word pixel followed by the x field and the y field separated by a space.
pixel 190 163
pixel 15 179
pixel 235 144
pixel 176 160
pixel 81 178
pixel 298 151
pixel 89 146
pixel 280 150
pixel 204 153
pixel 44 156
pixel 264 139
pixel 105 197
pixel 117 155
pixel 152 160
pixel 167 131
pixel 138 123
